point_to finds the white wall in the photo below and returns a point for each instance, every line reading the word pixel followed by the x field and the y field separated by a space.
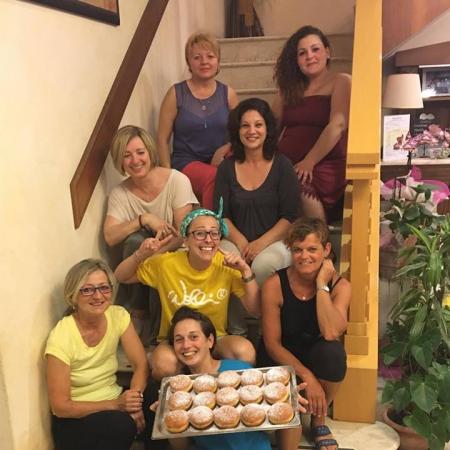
pixel 57 69
pixel 284 17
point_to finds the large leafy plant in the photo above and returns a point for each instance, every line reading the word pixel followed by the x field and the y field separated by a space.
pixel 419 336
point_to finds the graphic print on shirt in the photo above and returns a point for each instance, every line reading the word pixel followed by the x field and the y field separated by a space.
pixel 196 297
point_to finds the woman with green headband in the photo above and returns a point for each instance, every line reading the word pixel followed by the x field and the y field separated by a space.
pixel 203 278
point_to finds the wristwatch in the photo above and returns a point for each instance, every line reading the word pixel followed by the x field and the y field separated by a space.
pixel 324 288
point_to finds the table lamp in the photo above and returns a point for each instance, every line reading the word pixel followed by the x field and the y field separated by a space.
pixel 403 91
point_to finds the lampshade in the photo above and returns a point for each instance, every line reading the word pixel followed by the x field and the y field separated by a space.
pixel 403 91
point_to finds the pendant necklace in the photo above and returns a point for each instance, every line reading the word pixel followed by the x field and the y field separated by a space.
pixel 204 108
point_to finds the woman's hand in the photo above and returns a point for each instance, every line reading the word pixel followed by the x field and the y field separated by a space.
pixel 304 170
pixel 220 154
pixel 130 401
pixel 326 272
pixel 150 246
pixel 302 402
pixel 139 420
pixel 315 396
pixel 252 250
pixel 241 244
pixel 154 406
pixel 235 261
pixel 158 225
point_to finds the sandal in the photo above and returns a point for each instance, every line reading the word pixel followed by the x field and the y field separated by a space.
pixel 319 431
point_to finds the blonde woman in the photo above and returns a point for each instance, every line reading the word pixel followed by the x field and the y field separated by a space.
pixel 195 112
pixel 90 410
pixel 152 199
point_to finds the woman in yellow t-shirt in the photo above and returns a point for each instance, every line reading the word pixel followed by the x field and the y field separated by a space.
pixel 202 278
pixel 90 411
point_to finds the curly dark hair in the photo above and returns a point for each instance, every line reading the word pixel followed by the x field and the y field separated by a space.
pixel 185 313
pixel 234 125
pixel 288 76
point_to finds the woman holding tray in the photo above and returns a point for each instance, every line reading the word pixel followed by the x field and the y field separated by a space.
pixel 304 313
pixel 193 337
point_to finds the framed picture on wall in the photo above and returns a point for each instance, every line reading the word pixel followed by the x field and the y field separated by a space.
pixel 435 81
pixel 102 10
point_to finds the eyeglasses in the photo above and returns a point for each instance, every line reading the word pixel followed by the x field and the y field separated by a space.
pixel 200 235
pixel 104 289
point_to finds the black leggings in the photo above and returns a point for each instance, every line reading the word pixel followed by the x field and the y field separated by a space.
pixel 327 360
pixel 104 430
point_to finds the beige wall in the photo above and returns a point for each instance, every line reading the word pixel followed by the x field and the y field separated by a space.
pixel 434 33
pixel 284 17
pixel 57 69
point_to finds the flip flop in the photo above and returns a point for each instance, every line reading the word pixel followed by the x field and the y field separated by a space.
pixel 319 431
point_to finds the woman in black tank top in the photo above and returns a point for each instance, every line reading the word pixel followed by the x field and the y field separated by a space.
pixel 304 314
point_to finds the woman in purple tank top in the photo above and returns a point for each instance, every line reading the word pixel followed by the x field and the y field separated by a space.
pixel 196 111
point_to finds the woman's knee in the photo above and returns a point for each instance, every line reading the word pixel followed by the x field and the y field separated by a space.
pixel 328 360
pixel 236 347
pixel 271 259
pixel 133 242
pixel 163 362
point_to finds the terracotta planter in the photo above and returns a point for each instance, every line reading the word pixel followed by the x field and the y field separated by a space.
pixel 409 439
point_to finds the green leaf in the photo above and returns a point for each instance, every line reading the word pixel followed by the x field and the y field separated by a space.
pixel 420 422
pixel 412 213
pixel 423 354
pixel 434 443
pixel 419 321
pixel 401 398
pixel 423 396
pixel 392 352
pixel 388 392
pixel 444 391
pixel 439 432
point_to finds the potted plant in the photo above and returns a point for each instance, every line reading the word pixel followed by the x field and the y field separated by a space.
pixel 410 201
pixel 419 337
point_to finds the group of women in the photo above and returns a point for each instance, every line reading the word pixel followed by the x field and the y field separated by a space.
pixel 252 249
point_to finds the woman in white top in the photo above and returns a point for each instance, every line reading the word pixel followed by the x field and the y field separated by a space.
pixel 152 199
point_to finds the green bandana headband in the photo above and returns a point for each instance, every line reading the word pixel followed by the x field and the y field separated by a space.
pixel 205 212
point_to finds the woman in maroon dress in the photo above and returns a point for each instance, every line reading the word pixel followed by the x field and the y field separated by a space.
pixel 312 107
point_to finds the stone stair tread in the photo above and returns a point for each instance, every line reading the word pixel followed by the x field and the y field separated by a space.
pixel 274 38
pixel 253 63
pixel 266 90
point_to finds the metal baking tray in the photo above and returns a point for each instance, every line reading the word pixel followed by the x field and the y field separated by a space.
pixel 160 431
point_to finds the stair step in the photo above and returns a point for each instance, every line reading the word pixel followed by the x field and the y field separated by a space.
pixel 267 94
pixel 268 48
pixel 259 75
pixel 251 49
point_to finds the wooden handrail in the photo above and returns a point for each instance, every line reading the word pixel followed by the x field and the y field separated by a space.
pixel 94 156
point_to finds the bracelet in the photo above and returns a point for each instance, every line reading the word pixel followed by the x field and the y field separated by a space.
pixel 141 226
pixel 249 278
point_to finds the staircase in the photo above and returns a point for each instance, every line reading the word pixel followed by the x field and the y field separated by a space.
pixel 247 64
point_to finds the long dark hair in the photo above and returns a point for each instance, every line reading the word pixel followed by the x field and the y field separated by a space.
pixel 185 313
pixel 234 125
pixel 288 76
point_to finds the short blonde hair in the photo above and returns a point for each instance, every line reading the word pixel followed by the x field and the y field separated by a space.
pixel 203 39
pixel 122 138
pixel 77 275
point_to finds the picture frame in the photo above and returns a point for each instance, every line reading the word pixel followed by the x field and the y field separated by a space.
pixel 435 81
pixel 103 10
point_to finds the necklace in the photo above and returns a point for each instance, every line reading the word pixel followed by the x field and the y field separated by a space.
pixel 204 103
